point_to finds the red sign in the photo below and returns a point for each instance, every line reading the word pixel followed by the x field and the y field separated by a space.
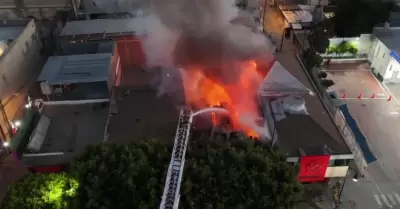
pixel 313 168
pixel 47 169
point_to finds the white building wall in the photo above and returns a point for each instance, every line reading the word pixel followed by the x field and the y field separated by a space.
pixel 17 62
pixel 392 73
pixel 379 57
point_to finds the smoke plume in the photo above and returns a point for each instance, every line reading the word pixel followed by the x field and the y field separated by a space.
pixel 214 34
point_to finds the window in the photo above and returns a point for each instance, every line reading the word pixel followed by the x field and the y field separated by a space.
pixel 390 67
pixel 4 77
pixel 377 52
pixel 26 45
pixel 33 37
pixel 339 162
pixel 383 55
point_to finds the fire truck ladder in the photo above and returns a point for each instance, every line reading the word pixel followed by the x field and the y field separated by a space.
pixel 171 195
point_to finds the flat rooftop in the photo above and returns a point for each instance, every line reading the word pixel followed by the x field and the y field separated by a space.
pixel 76 69
pixel 92 47
pixel 72 127
pixel 11 29
pixel 310 132
pixel 139 111
pixel 105 26
pixel 390 37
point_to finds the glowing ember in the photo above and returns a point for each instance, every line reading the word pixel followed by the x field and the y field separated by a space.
pixel 238 97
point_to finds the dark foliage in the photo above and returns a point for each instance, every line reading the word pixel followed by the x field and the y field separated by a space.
pixel 237 175
pixel 121 176
pixel 322 74
pixel 327 83
pixel 356 17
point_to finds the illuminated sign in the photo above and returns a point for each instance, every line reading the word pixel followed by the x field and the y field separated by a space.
pixel 394 55
pixel 313 168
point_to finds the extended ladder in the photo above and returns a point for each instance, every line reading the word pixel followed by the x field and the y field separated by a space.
pixel 171 195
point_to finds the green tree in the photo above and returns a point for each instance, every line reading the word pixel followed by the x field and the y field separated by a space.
pixel 237 175
pixel 311 60
pixel 319 39
pixel 121 176
pixel 356 17
pixel 41 191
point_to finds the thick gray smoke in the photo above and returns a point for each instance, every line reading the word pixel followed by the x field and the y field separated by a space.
pixel 204 32
pixel 181 34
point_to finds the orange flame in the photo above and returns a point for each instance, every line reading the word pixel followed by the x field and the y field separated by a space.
pixel 240 96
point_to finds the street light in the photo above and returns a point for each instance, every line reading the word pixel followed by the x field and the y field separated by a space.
pixel 17 123
pixel 355 177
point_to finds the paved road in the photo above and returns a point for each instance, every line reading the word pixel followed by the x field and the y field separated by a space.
pixel 379 121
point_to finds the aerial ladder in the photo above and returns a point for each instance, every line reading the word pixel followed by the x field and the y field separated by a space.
pixel 171 195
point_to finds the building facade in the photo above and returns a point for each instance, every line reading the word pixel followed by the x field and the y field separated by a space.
pixel 384 54
pixel 20 52
pixel 17 9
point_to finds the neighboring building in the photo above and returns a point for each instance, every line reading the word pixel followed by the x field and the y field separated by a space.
pixel 126 32
pixel 40 9
pixel 384 54
pixel 63 131
pixel 76 77
pixel 304 2
pixel 301 126
pixel 19 56
pixel 93 9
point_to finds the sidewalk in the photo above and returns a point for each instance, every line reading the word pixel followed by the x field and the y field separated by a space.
pixel 11 170
pixel 319 196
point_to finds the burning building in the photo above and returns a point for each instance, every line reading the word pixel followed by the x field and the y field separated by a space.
pixel 228 68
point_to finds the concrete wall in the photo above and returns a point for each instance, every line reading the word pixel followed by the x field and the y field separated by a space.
pixel 392 73
pixel 17 9
pixel 18 60
pixel 17 67
pixel 379 57
pixel 339 171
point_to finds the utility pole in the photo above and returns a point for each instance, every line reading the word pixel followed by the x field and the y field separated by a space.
pixel 263 16
pixel 282 37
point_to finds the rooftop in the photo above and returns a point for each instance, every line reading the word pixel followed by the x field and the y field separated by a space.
pixel 138 110
pixel 72 127
pixel 91 47
pixel 97 7
pixel 104 26
pixel 390 37
pixel 76 69
pixel 310 131
pixel 10 29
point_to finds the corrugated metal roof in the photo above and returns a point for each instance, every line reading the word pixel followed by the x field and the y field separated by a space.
pixel 98 7
pixel 76 69
pixel 101 26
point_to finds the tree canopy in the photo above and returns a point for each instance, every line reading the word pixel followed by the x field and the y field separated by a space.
pixel 356 17
pixel 121 176
pixel 41 191
pixel 237 174
pixel 218 174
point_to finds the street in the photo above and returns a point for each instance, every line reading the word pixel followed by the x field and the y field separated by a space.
pixel 378 117
pixel 377 112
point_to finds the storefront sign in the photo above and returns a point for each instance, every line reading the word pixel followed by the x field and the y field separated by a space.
pixel 395 56
pixel 313 168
